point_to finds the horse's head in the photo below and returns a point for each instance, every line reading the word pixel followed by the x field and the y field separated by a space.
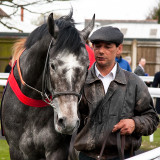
pixel 66 68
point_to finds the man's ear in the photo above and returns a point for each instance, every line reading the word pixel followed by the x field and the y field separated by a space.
pixel 119 49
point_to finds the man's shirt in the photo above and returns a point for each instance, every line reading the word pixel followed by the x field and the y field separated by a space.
pixel 106 80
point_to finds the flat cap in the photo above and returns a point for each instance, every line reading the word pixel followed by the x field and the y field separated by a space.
pixel 107 34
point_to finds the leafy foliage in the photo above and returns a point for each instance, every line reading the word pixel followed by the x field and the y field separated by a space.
pixel 155 13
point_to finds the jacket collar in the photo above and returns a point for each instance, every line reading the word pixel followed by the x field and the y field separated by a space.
pixel 120 75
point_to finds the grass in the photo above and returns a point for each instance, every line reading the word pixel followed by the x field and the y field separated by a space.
pixel 4 150
pixel 147 145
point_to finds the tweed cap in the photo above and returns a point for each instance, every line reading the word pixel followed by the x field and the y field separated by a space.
pixel 107 34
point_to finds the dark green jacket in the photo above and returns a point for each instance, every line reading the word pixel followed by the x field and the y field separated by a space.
pixel 127 98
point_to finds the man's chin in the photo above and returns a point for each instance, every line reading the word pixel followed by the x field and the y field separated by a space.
pixel 101 64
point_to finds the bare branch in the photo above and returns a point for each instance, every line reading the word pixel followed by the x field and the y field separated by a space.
pixel 15 5
pixel 27 4
pixel 10 27
pixel 14 12
pixel 44 12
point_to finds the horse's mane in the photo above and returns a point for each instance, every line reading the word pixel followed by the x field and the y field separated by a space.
pixel 68 36
pixel 17 49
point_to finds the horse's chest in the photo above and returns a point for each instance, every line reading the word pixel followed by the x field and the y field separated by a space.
pixel 37 139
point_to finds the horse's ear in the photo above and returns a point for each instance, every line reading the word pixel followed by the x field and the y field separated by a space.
pixel 86 31
pixel 69 16
pixel 52 27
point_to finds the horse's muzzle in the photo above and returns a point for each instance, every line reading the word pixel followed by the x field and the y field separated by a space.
pixel 65 128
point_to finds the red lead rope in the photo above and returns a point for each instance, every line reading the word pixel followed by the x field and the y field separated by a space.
pixel 23 98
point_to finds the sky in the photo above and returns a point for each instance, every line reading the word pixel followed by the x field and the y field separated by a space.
pixel 103 9
pixel 109 9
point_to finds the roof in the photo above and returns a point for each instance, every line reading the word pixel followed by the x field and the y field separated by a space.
pixel 102 22
pixel 136 29
pixel 3 14
pixel 13 35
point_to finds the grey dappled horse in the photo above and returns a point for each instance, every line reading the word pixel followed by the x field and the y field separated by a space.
pixel 53 68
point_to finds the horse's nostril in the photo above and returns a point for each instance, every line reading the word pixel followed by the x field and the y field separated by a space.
pixel 61 122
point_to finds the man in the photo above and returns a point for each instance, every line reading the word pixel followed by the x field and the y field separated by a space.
pixel 115 105
pixel 140 68
pixel 9 66
pixel 123 63
pixel 156 83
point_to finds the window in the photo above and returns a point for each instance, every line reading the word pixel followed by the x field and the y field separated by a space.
pixel 153 32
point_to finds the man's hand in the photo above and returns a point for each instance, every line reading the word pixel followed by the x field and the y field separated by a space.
pixel 126 126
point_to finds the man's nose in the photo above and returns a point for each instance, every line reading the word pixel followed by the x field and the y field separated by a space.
pixel 101 50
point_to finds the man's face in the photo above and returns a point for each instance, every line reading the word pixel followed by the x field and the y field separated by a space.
pixel 143 62
pixel 105 53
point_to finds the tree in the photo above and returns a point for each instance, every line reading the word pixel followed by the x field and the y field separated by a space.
pixel 17 8
pixel 43 18
pixel 155 13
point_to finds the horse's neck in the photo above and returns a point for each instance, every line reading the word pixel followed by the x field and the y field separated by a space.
pixel 31 66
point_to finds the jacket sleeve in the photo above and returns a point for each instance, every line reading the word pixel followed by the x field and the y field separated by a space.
pixel 146 118
pixel 138 71
pixel 83 111
pixel 156 80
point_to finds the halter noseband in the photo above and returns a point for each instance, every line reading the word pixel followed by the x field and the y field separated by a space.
pixel 45 97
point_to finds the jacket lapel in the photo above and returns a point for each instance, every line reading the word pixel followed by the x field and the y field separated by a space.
pixel 119 79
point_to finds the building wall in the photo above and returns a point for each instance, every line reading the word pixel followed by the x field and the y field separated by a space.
pixel 150 50
pixel 157 68
pixel 6 42
pixel 149 53
pixel 7 39
pixel 5 51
